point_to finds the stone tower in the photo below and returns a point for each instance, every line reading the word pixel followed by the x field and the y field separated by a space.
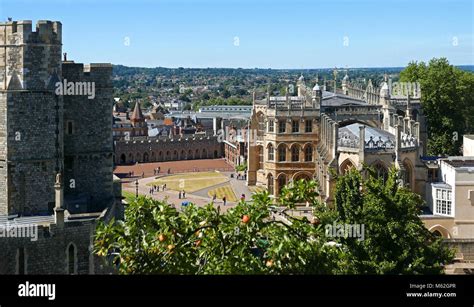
pixel 88 140
pixel 30 116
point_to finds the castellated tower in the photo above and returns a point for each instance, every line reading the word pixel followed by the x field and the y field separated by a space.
pixel 88 143
pixel 30 116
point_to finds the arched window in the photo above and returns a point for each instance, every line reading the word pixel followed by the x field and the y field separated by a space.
pixel 281 183
pixel 271 152
pixel 71 259
pixel 295 153
pixel 381 171
pixel 282 153
pixel 346 166
pixel 260 157
pixel 308 154
pixel 408 175
pixel 270 184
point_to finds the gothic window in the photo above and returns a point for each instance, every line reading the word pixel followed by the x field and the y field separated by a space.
pixel 71 255
pixel 295 153
pixel 270 184
pixel 271 153
pixel 281 183
pixel 308 154
pixel 282 153
pixel 381 172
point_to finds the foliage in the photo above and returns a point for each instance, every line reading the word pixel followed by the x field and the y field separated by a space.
pixel 448 103
pixel 396 241
pixel 156 238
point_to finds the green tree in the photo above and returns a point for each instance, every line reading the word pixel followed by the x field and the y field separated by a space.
pixel 251 238
pixel 447 101
pixel 396 241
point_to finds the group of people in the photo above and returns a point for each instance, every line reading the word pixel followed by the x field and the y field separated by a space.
pixel 241 177
pixel 156 171
pixel 156 188
pixel 182 194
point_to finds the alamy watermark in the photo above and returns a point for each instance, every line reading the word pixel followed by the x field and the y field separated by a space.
pixel 75 88
pixel 335 230
pixel 14 230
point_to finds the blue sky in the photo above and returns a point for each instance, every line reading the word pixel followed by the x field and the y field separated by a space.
pixel 257 33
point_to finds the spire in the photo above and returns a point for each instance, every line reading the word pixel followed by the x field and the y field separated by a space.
pixel 137 114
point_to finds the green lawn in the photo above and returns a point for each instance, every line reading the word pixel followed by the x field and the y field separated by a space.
pixel 220 192
pixel 129 196
pixel 256 189
pixel 190 182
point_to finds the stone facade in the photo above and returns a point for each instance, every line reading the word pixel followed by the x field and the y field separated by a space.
pixel 162 148
pixel 56 153
pixel 308 135
pixel 31 141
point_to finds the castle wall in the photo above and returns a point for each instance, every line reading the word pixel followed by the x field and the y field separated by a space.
pixel 88 144
pixel 30 62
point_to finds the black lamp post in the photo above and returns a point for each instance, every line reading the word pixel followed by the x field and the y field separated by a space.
pixel 136 188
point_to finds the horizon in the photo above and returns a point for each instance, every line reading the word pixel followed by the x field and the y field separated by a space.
pixel 264 34
pixel 295 69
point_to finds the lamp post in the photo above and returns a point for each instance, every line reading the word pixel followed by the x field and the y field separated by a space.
pixel 136 188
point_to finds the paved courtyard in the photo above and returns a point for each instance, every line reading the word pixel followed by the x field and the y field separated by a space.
pixel 182 172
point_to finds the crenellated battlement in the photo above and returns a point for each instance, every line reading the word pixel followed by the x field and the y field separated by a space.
pixel 95 72
pixel 21 32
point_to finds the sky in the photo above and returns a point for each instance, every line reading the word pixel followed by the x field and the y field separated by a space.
pixel 291 34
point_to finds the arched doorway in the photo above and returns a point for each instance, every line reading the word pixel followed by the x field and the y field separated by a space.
pixel 123 159
pixel 145 157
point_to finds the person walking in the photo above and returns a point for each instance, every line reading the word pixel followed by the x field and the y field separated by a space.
pixel 179 195
pixel 224 200
pixel 184 194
